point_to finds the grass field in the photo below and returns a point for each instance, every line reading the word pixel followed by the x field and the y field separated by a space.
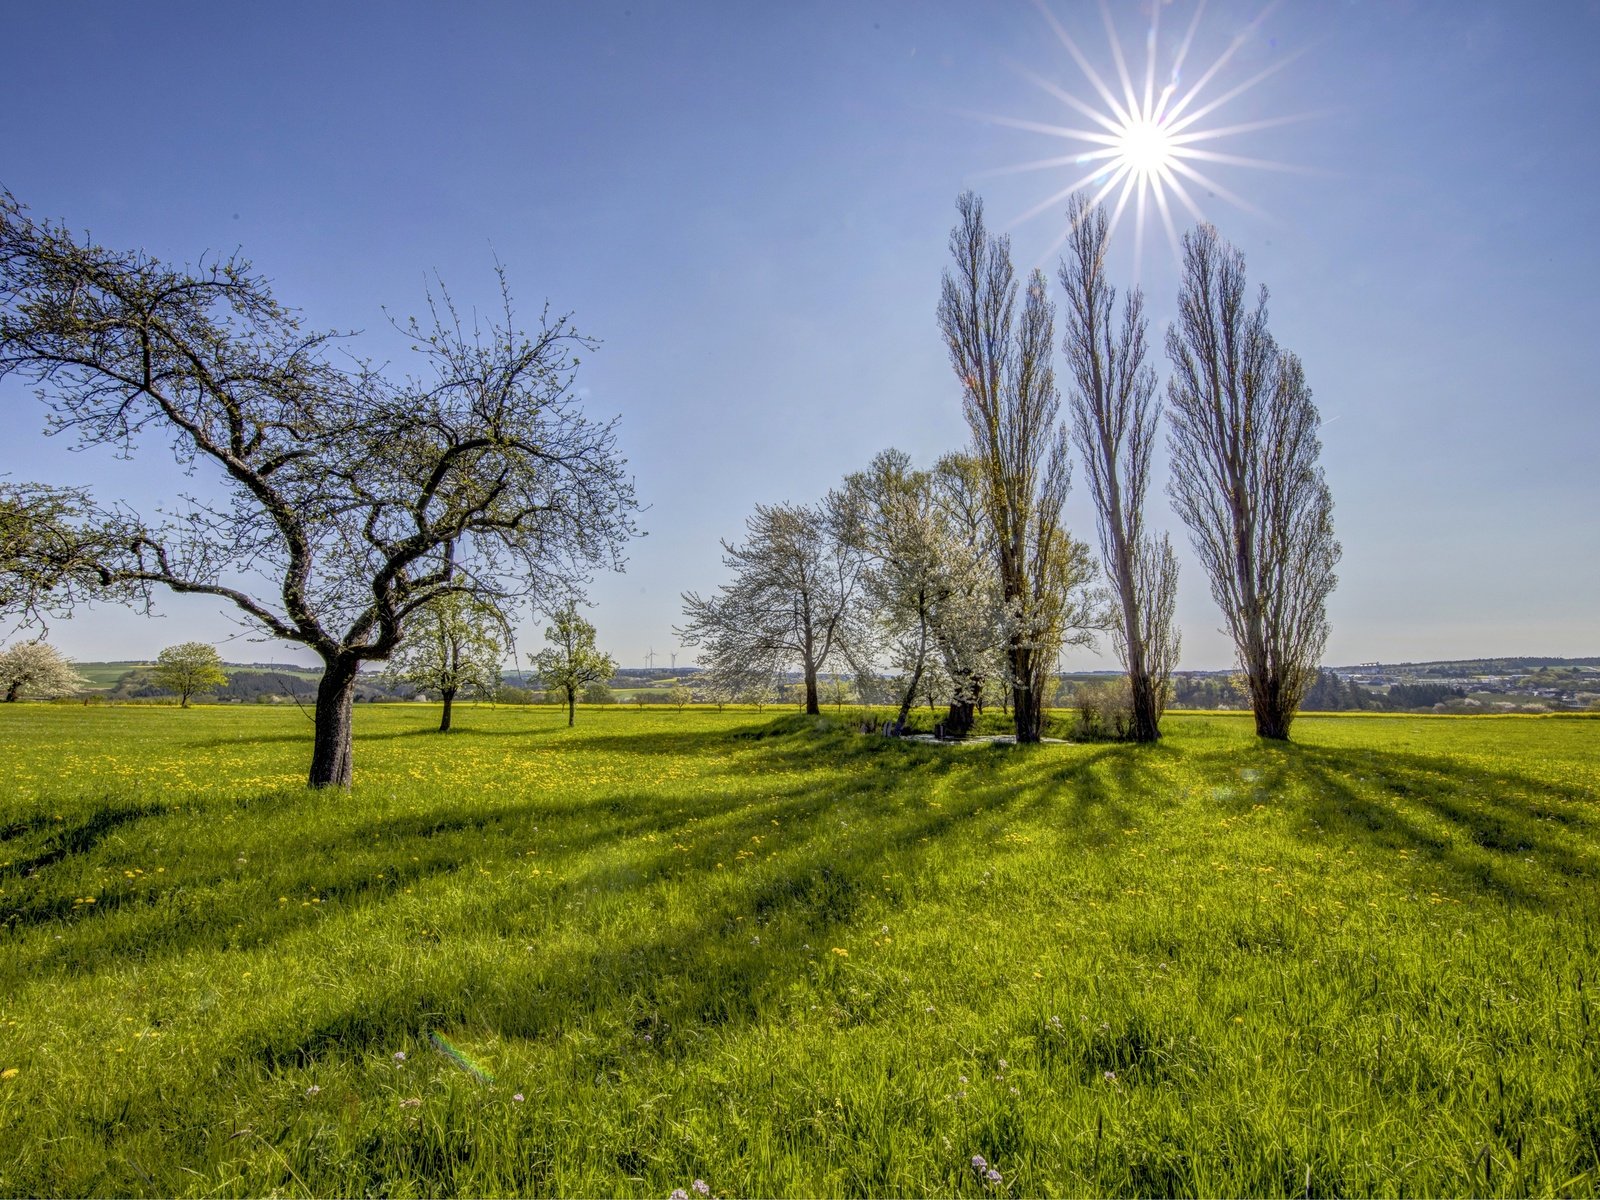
pixel 771 954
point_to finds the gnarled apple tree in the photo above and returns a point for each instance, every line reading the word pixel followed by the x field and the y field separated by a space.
pixel 333 500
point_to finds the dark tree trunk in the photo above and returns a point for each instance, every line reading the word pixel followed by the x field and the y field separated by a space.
pixel 1027 717
pixel 1146 713
pixel 813 709
pixel 331 749
pixel 1146 718
pixel 1027 711
pixel 449 696
pixel 1273 711
pixel 11 693
pixel 958 721
pixel 572 706
pixel 963 714
pixel 910 697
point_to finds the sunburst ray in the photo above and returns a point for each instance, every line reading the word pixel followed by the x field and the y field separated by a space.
pixel 1147 142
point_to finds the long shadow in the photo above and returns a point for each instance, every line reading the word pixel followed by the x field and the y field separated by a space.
pixel 703 971
pixel 43 841
pixel 461 732
pixel 578 739
pixel 816 780
pixel 458 838
pixel 1479 825
pixel 669 984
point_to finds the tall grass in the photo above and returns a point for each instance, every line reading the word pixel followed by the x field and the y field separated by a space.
pixel 778 956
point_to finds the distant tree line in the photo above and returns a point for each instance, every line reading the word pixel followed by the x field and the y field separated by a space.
pixel 1328 692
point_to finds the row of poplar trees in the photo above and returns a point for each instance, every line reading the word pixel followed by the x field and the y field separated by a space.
pixel 970 568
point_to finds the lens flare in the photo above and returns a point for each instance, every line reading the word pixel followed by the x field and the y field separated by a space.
pixel 1145 143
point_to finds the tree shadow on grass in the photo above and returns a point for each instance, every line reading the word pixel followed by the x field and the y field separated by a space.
pixel 740 954
pixel 1484 827
pixel 41 841
pixel 812 785
pixel 649 990
pixel 763 929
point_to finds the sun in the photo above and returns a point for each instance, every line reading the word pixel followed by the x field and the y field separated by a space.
pixel 1144 149
pixel 1147 145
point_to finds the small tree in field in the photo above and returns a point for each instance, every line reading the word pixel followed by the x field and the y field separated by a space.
pixel 454 645
pixel 571 660
pixel 188 669
pixel 679 695
pixel 36 670
pixel 793 600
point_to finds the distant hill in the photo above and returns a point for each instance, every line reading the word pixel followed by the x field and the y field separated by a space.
pixel 103 676
pixel 1470 666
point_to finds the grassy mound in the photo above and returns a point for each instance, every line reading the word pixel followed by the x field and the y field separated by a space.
pixel 782 957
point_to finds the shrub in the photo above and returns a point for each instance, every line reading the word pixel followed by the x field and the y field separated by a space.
pixel 1104 711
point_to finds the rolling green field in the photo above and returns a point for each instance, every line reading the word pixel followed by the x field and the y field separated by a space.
pixel 769 953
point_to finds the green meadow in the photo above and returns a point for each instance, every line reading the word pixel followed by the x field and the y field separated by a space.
pixel 775 955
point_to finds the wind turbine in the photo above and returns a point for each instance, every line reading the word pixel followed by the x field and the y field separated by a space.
pixel 650 657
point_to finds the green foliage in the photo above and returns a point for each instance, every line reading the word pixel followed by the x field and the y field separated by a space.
pixel 188 669
pixel 787 958
pixel 597 693
pixel 1190 690
pixel 571 661
pixel 258 685
pixel 1421 695
pixel 452 644
pixel 1104 710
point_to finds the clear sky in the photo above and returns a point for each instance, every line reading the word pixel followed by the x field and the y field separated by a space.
pixel 749 204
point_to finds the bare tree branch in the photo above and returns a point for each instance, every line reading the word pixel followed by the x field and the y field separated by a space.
pixel 362 498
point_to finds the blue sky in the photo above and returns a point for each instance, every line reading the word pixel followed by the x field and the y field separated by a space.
pixel 749 204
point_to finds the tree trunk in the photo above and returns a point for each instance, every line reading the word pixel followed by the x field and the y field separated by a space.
pixel 1273 713
pixel 331 749
pixel 910 697
pixel 1027 717
pixel 11 693
pixel 922 657
pixel 1026 710
pixel 1146 718
pixel 958 721
pixel 449 695
pixel 572 706
pixel 813 709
